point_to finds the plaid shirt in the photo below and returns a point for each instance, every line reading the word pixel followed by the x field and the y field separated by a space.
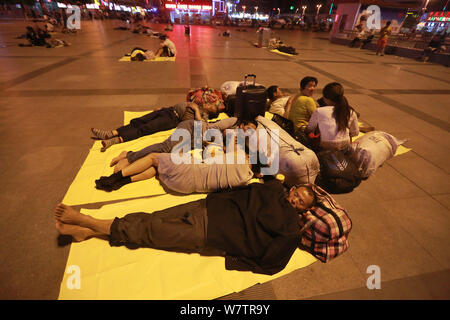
pixel 326 227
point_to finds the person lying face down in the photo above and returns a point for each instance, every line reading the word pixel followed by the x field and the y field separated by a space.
pixel 257 227
pixel 180 173
pixel 163 118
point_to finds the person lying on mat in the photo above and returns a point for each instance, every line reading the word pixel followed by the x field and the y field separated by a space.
pixel 337 122
pixel 296 162
pixel 167 47
pixel 189 176
pixel 256 228
pixel 159 120
pixel 139 54
pixel 126 158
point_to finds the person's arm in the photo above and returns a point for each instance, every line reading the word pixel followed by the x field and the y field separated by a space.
pixel 223 124
pixel 313 123
pixel 289 106
pixel 196 109
pixel 354 126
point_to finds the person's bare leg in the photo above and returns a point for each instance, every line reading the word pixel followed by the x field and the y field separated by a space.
pixel 67 215
pixel 78 233
pixel 147 174
pixel 139 166
pixel 121 165
pixel 114 161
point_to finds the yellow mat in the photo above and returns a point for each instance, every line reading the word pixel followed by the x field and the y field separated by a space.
pixel 83 191
pixel 159 59
pixel 119 273
pixel 283 53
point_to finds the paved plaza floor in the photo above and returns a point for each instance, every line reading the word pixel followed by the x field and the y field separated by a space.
pixel 50 98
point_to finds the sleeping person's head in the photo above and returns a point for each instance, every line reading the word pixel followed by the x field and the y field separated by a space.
pixel 301 198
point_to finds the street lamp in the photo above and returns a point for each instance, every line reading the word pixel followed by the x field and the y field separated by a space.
pixel 304 8
pixel 278 11
pixel 426 4
pixel 318 8
pixel 243 7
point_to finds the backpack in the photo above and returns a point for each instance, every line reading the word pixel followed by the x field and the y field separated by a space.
pixel 338 173
pixel 326 227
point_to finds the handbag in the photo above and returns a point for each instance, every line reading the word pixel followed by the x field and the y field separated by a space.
pixel 325 227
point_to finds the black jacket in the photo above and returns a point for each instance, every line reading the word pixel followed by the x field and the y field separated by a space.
pixel 255 225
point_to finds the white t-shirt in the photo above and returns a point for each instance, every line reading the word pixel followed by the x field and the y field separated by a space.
pixel 168 43
pixel 330 137
pixel 279 105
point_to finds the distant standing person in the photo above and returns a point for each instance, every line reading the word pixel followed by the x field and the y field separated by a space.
pixel 385 32
pixel 167 47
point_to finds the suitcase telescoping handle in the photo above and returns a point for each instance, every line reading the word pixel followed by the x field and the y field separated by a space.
pixel 248 76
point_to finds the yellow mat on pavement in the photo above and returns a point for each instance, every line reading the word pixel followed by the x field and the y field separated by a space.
pixel 83 191
pixel 282 53
pixel 105 272
pixel 158 59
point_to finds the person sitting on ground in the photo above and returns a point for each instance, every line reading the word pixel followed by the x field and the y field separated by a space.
pixel 167 47
pixel 191 177
pixel 36 38
pixel 435 45
pixel 159 120
pixel 303 105
pixel 337 123
pixel 257 227
pixel 278 100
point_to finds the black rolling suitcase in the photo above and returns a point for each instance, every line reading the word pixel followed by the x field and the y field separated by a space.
pixel 250 100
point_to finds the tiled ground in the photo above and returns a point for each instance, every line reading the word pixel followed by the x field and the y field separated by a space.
pixel 49 98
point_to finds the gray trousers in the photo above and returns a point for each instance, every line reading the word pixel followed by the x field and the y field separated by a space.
pixel 180 228
pixel 167 145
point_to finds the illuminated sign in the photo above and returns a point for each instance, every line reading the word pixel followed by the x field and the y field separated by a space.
pixel 439 16
pixel 188 7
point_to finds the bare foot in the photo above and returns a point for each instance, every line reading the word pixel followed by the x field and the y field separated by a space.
pixel 121 156
pixel 78 233
pixel 122 164
pixel 66 214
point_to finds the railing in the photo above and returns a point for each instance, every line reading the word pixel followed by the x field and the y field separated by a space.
pixel 415 41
